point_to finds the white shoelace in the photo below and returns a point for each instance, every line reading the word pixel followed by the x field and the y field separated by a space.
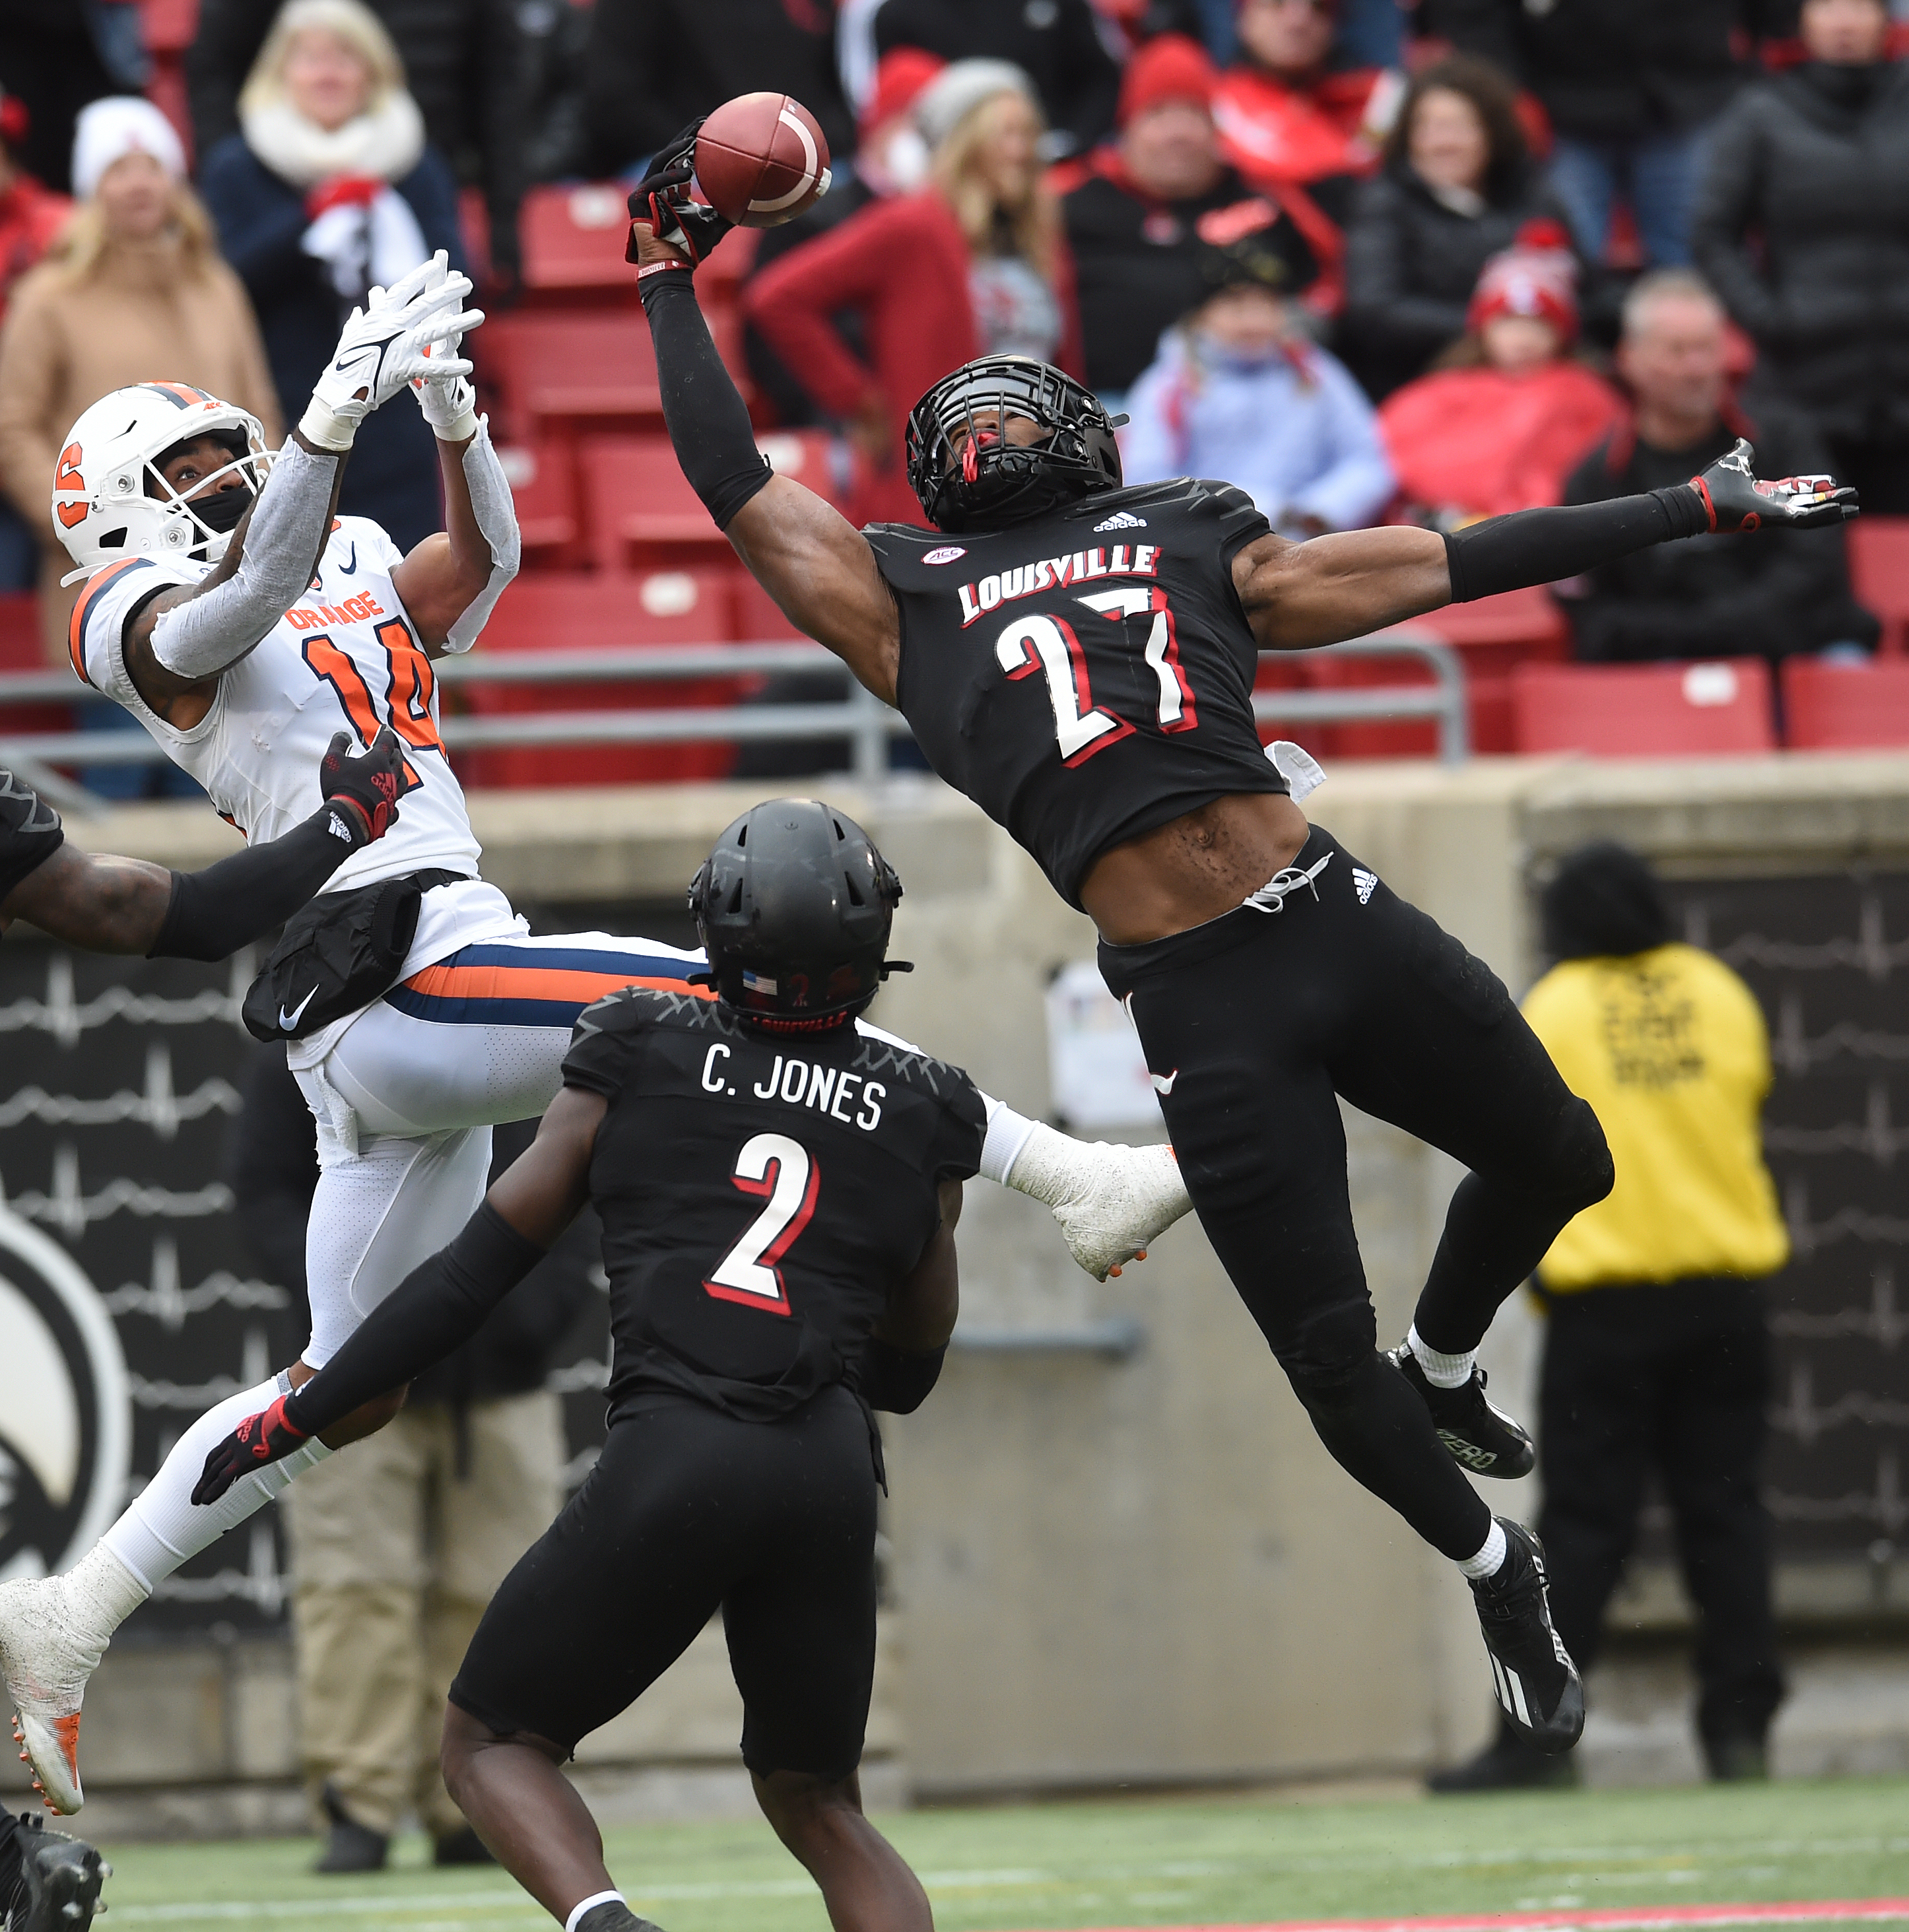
pixel 1271 896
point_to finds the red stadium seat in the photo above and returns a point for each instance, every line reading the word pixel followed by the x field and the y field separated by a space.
pixel 552 611
pixel 1829 706
pixel 1492 636
pixel 1879 574
pixel 642 509
pixel 572 239
pixel 1642 711
pixel 543 481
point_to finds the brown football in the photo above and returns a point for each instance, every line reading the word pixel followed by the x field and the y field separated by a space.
pixel 761 159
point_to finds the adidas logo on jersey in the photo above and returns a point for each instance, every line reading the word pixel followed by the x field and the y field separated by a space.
pixel 1121 519
pixel 1363 883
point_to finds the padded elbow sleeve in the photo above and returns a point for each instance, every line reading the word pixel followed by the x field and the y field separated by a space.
pixel 201 637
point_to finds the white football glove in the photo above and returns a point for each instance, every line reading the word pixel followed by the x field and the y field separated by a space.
pixel 447 401
pixel 386 345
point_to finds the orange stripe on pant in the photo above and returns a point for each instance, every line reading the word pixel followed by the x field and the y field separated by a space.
pixel 534 982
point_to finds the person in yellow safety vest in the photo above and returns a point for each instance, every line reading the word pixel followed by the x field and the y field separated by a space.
pixel 1656 1353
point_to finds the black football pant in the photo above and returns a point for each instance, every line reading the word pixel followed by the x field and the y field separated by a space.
pixel 1259 1021
pixel 1670 1378
pixel 689 1510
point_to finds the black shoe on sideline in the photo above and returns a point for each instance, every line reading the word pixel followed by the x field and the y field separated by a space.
pixel 1508 1763
pixel 1738 1760
pixel 349 1846
pixel 462 1848
pixel 1537 1685
pixel 48 1882
pixel 1481 1438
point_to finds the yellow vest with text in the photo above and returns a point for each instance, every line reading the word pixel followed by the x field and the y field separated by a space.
pixel 1671 1049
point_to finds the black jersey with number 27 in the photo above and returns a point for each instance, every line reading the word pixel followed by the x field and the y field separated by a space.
pixel 760 1194
pixel 1086 677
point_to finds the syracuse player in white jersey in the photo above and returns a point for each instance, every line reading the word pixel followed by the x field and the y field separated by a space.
pixel 243 623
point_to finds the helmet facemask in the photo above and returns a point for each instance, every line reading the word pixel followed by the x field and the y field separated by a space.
pixel 215 513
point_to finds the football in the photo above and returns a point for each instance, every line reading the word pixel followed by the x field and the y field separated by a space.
pixel 760 160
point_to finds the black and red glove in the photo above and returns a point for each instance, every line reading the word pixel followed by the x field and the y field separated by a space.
pixel 1737 499
pixel 364 790
pixel 258 1440
pixel 663 198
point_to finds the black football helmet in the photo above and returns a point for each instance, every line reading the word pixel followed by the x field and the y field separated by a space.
pixel 793 906
pixel 995 482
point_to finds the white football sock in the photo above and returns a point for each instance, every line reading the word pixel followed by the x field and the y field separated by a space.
pixel 1441 1371
pixel 1490 1557
pixel 590 1904
pixel 1007 1135
pixel 164 1527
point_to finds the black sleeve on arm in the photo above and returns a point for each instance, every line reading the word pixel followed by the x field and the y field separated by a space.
pixel 1545 546
pixel 215 912
pixel 440 1304
pixel 707 420
pixel 898 1380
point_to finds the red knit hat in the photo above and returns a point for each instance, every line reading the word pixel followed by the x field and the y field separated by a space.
pixel 1541 283
pixel 899 79
pixel 1172 67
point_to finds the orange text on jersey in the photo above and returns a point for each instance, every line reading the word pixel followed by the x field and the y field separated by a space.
pixel 352 610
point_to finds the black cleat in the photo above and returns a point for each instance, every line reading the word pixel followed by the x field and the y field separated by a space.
pixel 349 1846
pixel 1481 1438
pixel 613 1915
pixel 48 1882
pixel 1537 1685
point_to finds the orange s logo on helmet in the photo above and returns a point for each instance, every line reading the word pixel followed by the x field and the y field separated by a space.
pixel 67 477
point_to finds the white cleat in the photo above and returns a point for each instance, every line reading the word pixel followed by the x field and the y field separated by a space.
pixel 1112 1201
pixel 45 1667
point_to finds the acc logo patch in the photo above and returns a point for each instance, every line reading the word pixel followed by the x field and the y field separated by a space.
pixel 66 1425
pixel 946 554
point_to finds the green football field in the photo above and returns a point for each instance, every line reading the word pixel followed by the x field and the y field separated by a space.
pixel 1236 1860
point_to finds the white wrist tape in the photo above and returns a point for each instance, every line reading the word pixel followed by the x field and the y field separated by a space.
pixel 1007 1135
pixel 496 511
pixel 203 636
pixel 326 427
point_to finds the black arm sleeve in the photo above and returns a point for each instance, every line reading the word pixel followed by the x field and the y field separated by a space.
pixel 1545 546
pixel 215 912
pixel 898 1379
pixel 707 420
pixel 440 1304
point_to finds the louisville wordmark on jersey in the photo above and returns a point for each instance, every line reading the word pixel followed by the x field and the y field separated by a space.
pixel 1087 676
pixel 760 1193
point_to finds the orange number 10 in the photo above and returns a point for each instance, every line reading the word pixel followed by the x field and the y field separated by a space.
pixel 410 685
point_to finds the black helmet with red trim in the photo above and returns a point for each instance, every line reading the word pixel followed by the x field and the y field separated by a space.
pixel 793 906
pixel 969 475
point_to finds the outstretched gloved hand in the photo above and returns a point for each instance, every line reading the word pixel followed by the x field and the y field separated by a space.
pixel 387 343
pixel 363 791
pixel 662 198
pixel 445 396
pixel 258 1440
pixel 1737 499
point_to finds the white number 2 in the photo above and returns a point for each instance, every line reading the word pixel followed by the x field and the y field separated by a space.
pixel 770 1166
pixel 1036 643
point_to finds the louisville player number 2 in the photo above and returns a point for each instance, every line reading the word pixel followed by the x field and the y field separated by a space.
pixel 779 1171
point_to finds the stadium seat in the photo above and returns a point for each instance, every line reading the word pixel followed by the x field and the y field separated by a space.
pixel 1642 711
pixel 1879 574
pixel 1828 707
pixel 572 239
pixel 1492 636
pixel 543 481
pixel 568 610
pixel 642 510
pixel 590 369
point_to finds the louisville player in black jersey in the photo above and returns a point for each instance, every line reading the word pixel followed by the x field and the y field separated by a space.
pixel 778 1184
pixel 1078 658
pixel 109 904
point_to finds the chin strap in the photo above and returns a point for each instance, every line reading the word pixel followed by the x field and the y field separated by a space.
pixel 496 511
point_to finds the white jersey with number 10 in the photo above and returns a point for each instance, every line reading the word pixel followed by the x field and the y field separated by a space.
pixel 344 657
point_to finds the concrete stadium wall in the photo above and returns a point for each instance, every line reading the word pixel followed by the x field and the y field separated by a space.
pixel 1104 1569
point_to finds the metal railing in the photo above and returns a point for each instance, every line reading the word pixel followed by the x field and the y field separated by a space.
pixel 860 718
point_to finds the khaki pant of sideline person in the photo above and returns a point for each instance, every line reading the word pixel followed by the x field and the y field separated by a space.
pixel 394 1557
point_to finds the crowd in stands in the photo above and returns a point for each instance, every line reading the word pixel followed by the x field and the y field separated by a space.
pixel 1419 260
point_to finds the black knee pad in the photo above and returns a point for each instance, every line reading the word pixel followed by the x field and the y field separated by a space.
pixel 1328 1350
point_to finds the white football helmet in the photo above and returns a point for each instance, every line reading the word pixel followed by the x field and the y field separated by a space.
pixel 110 501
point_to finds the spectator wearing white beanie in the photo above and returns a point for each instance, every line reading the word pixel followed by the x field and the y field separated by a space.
pixel 133 291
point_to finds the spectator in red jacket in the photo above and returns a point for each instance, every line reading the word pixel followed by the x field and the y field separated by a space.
pixel 1141 212
pixel 1502 433
pixel 1287 119
pixel 974 265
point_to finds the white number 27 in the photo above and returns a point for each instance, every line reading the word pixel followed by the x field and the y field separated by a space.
pixel 778 1170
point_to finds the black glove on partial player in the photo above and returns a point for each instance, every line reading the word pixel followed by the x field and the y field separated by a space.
pixel 662 199
pixel 364 789
pixel 258 1440
pixel 1736 500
